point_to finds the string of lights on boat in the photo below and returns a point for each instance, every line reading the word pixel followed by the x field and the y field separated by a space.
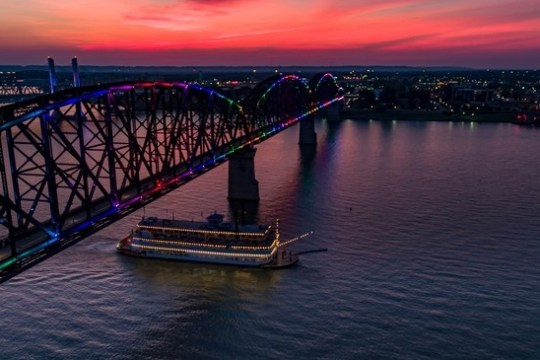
pixel 204 252
pixel 206 232
pixel 136 238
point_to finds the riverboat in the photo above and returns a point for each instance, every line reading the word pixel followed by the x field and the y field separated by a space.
pixel 213 241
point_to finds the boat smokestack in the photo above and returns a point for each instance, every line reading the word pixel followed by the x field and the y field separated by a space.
pixel 52 75
pixel 75 67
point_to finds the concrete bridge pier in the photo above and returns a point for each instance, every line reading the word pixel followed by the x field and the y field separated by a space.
pixel 333 112
pixel 244 212
pixel 308 136
pixel 75 67
pixel 242 182
pixel 52 75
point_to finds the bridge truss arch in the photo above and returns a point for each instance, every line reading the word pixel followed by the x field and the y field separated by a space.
pixel 278 100
pixel 329 94
pixel 325 87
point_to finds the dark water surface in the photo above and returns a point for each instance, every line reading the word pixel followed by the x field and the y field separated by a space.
pixel 432 230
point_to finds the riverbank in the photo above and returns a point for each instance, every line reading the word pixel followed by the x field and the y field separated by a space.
pixel 419 115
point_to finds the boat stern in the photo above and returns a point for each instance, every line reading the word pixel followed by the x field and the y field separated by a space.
pixel 284 258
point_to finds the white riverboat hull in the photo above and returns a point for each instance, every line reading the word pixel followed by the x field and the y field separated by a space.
pixel 282 258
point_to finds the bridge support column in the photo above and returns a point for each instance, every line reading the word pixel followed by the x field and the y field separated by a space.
pixel 75 67
pixel 52 75
pixel 245 212
pixel 242 182
pixel 308 136
pixel 333 112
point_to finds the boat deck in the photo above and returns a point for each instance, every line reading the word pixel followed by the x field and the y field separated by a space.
pixel 152 222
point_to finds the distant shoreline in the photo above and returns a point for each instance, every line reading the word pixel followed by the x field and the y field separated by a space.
pixel 419 115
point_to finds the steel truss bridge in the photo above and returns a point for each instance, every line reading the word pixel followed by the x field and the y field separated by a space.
pixel 75 161
pixel 12 90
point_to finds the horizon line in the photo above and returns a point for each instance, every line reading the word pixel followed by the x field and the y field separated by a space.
pixel 446 67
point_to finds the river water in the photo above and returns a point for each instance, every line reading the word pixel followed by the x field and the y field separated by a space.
pixel 432 230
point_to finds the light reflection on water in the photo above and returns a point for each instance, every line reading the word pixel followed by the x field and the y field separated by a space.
pixel 433 251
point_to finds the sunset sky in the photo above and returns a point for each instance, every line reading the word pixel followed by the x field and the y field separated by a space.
pixel 474 33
